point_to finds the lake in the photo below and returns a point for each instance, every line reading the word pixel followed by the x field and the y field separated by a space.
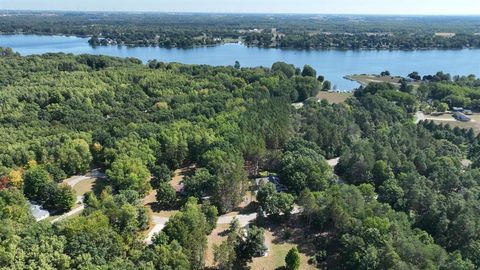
pixel 333 64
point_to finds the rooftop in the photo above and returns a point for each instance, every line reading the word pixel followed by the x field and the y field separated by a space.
pixel 37 212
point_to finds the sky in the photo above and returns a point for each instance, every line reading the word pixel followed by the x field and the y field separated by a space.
pixel 406 7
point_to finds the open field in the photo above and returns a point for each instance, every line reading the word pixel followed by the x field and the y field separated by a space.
pixel 333 97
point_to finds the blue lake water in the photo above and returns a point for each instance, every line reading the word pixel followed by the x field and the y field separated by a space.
pixel 333 64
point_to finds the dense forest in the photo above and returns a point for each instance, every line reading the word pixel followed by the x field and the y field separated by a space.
pixel 281 31
pixel 400 197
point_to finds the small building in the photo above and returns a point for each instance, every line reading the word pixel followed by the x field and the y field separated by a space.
pixel 468 112
pixel 461 117
pixel 37 212
pixel 272 179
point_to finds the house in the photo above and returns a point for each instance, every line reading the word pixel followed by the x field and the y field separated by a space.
pixel 272 179
pixel 461 117
pixel 457 109
pixel 37 212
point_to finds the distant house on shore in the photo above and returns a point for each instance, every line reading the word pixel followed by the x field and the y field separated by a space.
pixel 461 117
pixel 37 212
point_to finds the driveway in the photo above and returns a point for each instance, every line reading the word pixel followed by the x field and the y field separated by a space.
pixel 72 182
pixel 333 162
pixel 76 179
pixel 419 116
pixel 70 213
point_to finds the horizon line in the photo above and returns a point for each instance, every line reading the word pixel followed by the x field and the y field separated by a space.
pixel 237 13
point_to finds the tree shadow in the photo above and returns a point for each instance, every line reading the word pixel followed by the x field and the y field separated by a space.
pixel 99 185
pixel 252 207
pixel 157 207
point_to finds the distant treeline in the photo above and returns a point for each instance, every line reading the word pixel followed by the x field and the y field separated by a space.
pixel 281 31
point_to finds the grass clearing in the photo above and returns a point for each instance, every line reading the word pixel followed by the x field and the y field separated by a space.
pixel 150 199
pixel 215 238
pixel 85 186
pixel 277 250
pixel 334 97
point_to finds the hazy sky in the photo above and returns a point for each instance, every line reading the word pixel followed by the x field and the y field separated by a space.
pixel 463 7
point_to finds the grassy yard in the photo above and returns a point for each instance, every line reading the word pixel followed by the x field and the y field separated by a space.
pixel 85 186
pixel 277 250
pixel 215 238
pixel 150 199
pixel 334 97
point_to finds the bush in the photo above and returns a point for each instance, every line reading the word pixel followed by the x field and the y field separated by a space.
pixel 292 259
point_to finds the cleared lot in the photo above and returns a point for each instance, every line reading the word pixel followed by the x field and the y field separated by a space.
pixel 333 97
pixel 448 119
